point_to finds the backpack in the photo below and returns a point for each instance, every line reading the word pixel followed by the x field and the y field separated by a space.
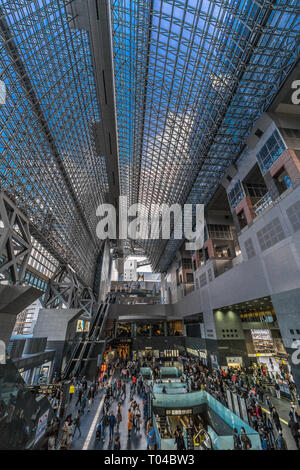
pixel 105 420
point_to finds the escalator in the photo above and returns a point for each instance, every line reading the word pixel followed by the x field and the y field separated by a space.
pixel 94 342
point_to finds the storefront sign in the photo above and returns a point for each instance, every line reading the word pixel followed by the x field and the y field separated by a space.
pixel 234 360
pixel 179 412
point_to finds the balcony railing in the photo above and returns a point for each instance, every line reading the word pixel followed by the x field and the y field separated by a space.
pixel 262 204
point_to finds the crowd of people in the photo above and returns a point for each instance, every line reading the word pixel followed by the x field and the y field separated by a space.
pixel 122 379
pixel 254 385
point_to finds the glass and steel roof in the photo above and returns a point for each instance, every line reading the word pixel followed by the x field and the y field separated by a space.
pixel 191 79
pixel 48 161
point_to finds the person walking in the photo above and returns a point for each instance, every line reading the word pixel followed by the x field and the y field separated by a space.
pixel 65 429
pixel 277 390
pixel 51 442
pixel 294 415
pixel 151 439
pixel 119 416
pixel 129 422
pixel 237 445
pixel 246 443
pixel 105 423
pixel 71 391
pixel 280 443
pixel 112 423
pixel 117 445
pixel 80 392
pixel 91 394
pixel 179 440
pixel 69 433
pixel 83 405
pixel 276 419
pixel 295 430
pixel 269 403
pixel 77 423
pixel 137 418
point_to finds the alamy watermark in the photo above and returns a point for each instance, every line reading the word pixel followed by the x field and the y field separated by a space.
pixel 138 222
pixel 2 352
pixel 2 92
pixel 296 94
pixel 295 357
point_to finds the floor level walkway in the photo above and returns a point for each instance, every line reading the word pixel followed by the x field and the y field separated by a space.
pixel 90 419
pixel 283 407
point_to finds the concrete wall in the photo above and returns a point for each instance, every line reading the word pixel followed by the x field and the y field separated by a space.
pixel 53 323
pixel 58 326
pixel 14 299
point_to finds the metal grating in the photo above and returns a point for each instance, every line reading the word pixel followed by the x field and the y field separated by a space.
pixel 271 234
pixel 293 213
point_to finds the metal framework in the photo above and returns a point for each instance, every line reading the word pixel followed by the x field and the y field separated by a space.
pixel 66 291
pixel 49 163
pixel 188 77
pixel 15 241
pixel 191 78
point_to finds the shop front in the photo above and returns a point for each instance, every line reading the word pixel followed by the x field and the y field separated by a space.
pixel 234 362
pixel 158 348
pixel 199 353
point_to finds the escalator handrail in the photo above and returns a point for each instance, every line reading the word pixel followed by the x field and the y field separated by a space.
pixel 92 334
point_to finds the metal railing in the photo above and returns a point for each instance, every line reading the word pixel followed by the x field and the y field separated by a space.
pixel 262 204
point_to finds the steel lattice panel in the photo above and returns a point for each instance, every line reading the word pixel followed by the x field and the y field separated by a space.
pixel 48 163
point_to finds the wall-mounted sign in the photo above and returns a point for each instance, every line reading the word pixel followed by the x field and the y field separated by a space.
pixel 234 360
pixel 82 326
pixel 179 412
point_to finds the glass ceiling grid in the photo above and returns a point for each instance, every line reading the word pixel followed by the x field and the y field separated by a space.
pixel 51 65
pixel 213 67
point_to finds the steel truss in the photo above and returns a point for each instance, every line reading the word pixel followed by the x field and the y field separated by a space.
pixel 15 241
pixel 191 79
pixel 66 291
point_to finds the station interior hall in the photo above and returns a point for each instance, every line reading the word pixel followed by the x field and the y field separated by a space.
pixel 149 225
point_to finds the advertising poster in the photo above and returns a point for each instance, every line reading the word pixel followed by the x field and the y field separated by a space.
pixel 41 426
